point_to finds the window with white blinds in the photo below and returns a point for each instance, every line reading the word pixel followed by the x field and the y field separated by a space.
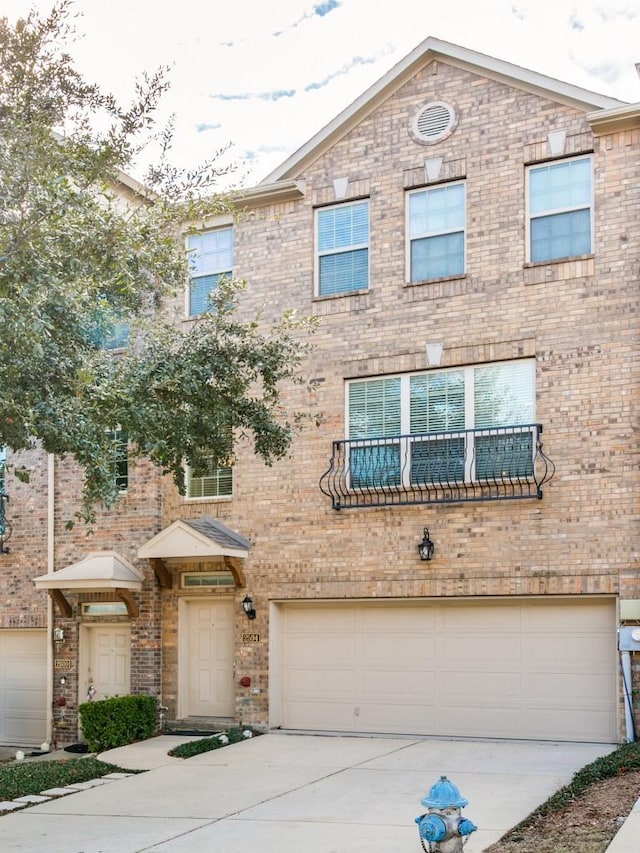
pixel 436 232
pixel 457 417
pixel 342 240
pixel 217 482
pixel 210 257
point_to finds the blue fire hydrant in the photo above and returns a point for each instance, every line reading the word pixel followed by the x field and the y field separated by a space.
pixel 443 827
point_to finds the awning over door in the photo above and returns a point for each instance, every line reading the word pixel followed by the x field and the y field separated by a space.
pixel 98 572
pixel 196 538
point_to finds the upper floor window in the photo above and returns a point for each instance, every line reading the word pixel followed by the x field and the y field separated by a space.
pixel 120 457
pixel 210 258
pixel 342 240
pixel 444 425
pixel 560 199
pixel 216 482
pixel 3 468
pixel 436 232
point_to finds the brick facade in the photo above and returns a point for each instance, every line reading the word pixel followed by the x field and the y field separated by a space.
pixel 577 318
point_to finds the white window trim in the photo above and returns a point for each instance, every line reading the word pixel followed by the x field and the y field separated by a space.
pixel 207 498
pixel 317 254
pixel 411 237
pixel 226 226
pixel 558 210
pixel 405 409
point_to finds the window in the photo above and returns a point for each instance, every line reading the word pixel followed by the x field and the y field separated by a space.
pixel 342 239
pixel 442 426
pixel 217 482
pixel 120 450
pixel 210 258
pixel 3 467
pixel 560 200
pixel 436 232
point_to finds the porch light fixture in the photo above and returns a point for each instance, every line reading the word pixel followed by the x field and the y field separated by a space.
pixel 426 547
pixel 247 606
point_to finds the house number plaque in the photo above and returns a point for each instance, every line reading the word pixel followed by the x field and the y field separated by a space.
pixel 62 663
pixel 250 638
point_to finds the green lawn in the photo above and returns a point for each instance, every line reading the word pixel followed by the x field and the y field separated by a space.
pixel 32 777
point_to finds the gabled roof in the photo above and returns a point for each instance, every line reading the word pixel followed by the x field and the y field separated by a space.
pixel 98 571
pixel 195 537
pixel 429 50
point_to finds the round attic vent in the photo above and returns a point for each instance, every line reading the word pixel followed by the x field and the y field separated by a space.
pixel 434 122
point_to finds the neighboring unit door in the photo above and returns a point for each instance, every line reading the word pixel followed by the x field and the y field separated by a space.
pixel 530 669
pixel 109 661
pixel 208 659
pixel 23 687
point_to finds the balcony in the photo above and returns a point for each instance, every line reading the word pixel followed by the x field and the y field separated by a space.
pixel 502 463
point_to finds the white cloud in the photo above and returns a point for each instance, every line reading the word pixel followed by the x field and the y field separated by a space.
pixel 327 53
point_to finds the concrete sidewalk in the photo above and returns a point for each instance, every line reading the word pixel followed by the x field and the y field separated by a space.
pixel 283 793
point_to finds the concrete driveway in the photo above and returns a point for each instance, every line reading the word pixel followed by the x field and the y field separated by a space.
pixel 282 793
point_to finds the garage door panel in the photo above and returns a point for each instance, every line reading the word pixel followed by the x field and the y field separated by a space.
pixel 570 616
pixel 565 723
pixel 330 716
pixel 454 651
pixel 570 687
pixel 485 669
pixel 484 722
pixel 336 651
pixel 332 683
pixel 401 685
pixel 483 685
pixel 23 656
pixel 397 718
pixel 402 620
pixel 391 650
pixel 586 653
pixel 471 618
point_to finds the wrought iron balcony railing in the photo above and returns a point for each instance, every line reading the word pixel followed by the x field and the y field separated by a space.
pixel 503 463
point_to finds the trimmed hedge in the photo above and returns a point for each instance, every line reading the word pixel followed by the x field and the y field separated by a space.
pixel 108 723
pixel 196 747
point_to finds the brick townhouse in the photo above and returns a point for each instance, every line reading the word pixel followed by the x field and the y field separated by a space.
pixel 452 551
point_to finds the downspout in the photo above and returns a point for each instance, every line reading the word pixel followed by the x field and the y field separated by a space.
pixel 51 504
pixel 628 641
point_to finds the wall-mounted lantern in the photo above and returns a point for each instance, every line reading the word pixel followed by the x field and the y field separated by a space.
pixel 426 547
pixel 247 606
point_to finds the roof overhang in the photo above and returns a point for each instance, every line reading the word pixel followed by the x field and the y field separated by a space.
pixel 615 120
pixel 432 49
pixel 200 539
pixel 98 572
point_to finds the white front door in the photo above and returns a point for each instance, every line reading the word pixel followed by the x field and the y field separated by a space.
pixel 109 661
pixel 207 658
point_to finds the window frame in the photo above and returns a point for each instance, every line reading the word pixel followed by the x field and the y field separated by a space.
pixel 431 235
pixel 119 440
pixel 215 475
pixel 401 443
pixel 340 250
pixel 558 211
pixel 197 272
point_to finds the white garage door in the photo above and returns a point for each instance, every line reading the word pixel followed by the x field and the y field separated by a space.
pixel 525 669
pixel 23 687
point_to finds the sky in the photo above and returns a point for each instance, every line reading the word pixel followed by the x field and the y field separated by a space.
pixel 263 76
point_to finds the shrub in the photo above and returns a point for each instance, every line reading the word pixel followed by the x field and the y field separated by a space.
pixel 108 723
pixel 196 747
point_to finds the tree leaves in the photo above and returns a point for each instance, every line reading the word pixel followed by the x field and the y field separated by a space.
pixel 87 253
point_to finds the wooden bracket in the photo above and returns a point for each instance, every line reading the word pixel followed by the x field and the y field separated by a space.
pixel 61 602
pixel 126 596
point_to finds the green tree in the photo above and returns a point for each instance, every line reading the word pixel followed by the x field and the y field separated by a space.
pixel 86 252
